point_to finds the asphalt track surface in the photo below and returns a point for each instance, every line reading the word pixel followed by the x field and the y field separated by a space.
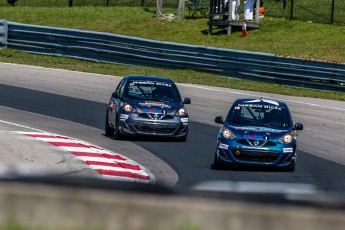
pixel 73 104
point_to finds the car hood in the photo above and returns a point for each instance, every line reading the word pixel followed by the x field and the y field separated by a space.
pixel 257 132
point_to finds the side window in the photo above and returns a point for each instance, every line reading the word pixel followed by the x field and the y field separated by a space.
pixel 119 89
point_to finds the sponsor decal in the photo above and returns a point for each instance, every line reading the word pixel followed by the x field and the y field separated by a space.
pixel 258 129
pixel 260 106
pixel 287 150
pixel 154 103
pixel 124 117
pixel 258 148
pixel 184 119
pixel 150 83
pixel 223 146
pixel 253 137
pixel 153 111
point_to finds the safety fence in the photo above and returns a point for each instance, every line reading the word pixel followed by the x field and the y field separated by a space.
pixel 118 49
pixel 320 11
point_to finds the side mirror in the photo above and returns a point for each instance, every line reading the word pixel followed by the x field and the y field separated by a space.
pixel 115 95
pixel 219 120
pixel 298 126
pixel 186 101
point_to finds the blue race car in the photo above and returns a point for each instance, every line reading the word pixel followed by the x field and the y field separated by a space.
pixel 147 106
pixel 257 132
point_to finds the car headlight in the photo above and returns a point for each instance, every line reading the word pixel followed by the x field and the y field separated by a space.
pixel 181 112
pixel 286 139
pixel 128 108
pixel 227 134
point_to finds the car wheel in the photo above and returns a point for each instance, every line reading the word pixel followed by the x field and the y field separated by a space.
pixel 117 134
pixel 216 164
pixel 109 131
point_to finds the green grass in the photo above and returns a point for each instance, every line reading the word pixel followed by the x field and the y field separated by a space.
pixel 276 35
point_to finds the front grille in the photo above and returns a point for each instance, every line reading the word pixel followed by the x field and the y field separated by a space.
pixel 148 128
pixel 155 116
pixel 259 143
pixel 256 155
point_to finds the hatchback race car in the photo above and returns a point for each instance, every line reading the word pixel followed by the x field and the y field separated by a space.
pixel 257 132
pixel 147 106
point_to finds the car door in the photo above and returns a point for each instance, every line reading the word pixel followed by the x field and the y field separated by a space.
pixel 115 108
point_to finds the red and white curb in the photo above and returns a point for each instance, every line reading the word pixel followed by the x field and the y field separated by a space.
pixel 108 164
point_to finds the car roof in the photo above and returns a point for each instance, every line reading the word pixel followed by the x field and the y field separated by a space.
pixel 260 102
pixel 149 78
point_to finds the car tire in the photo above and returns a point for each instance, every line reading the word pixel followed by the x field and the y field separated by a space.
pixel 109 131
pixel 216 164
pixel 117 134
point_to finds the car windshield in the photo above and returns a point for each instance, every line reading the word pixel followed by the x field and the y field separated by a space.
pixel 259 115
pixel 152 90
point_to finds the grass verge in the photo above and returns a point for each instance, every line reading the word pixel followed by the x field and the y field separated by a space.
pixel 181 76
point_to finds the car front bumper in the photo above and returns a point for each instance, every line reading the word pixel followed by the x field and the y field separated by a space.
pixel 277 156
pixel 132 124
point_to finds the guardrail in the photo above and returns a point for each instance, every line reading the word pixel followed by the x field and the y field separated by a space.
pixel 112 48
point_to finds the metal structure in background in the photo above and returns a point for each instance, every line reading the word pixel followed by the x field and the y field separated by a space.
pixel 118 49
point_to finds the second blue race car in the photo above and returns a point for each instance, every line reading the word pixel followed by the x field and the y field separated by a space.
pixel 257 132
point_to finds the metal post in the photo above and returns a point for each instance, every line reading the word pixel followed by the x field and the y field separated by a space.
pixel 291 12
pixel 107 2
pixel 70 3
pixel 230 10
pixel 332 16
pixel 238 9
pixel 257 11
pixel 228 28
pixel 180 9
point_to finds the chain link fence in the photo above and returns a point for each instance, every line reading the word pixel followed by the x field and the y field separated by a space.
pixel 317 11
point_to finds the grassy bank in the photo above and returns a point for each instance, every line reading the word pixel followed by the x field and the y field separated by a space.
pixel 277 36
